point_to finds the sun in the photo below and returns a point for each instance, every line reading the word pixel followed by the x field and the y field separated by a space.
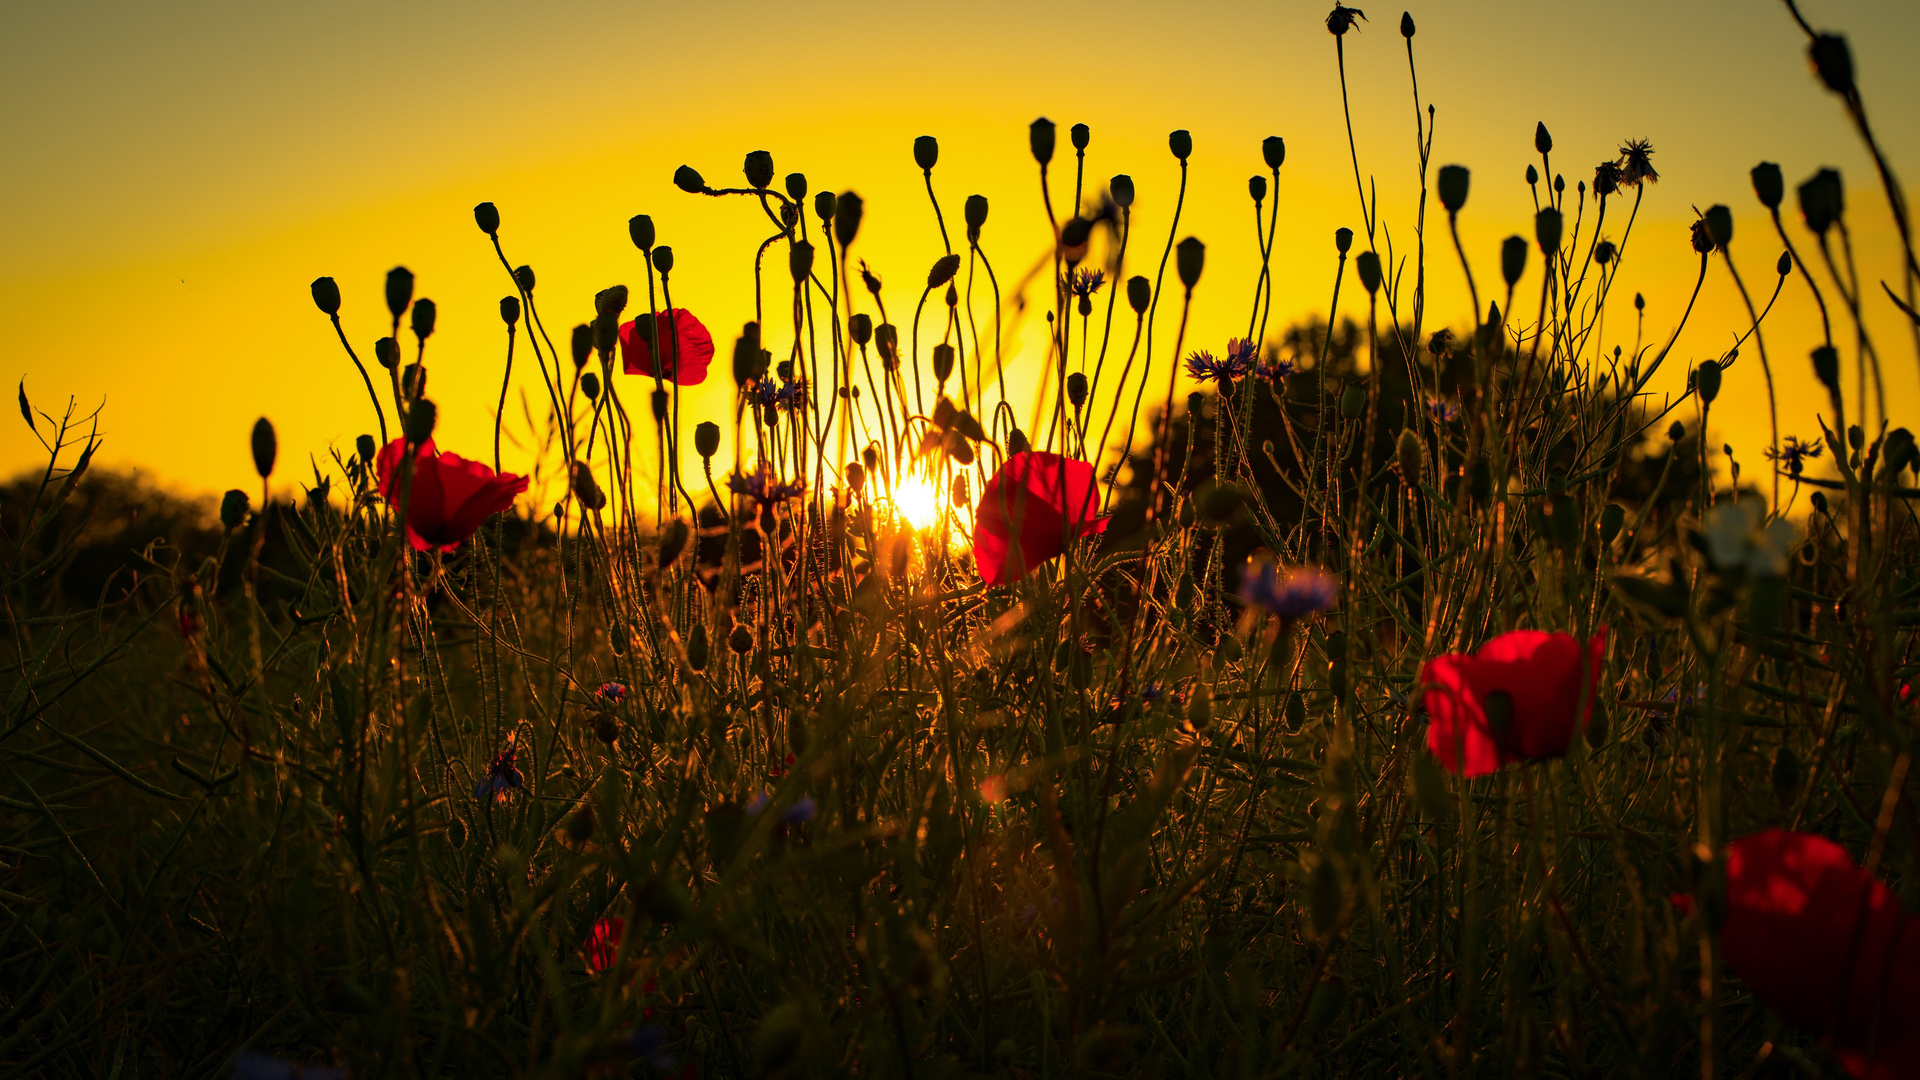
pixel 917 502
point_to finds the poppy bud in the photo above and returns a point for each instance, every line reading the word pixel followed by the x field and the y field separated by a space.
pixel 1353 401
pixel 1611 518
pixel 1453 186
pixel 1342 239
pixel 640 228
pixel 233 509
pixel 1533 176
pixel 1547 225
pixel 586 488
pixel 1513 260
pixel 673 539
pixel 926 152
pixel 487 216
pixel 610 301
pixel 942 363
pixel 265 447
pixel 1785 264
pixel 1257 187
pixel 387 352
pixel 1603 252
pixel 976 215
pixel 1273 149
pixel 420 420
pixel 606 334
pixel 759 169
pixel 424 314
pixel 1189 258
pixel 326 295
pixel 1411 453
pixel 523 277
pixel 366 448
pixel 886 338
pixel 860 329
pixel 663 260
pixel 740 641
pixel 399 290
pixel 590 386
pixel 1720 225
pixel 660 400
pixel 1542 141
pixel 1181 143
pixel 1706 380
pixel 706 438
pixel 846 218
pixel 823 206
pixel 1639 302
pixel 1081 135
pixel 1826 367
pixel 1676 431
pixel 1899 450
pixel 943 270
pixel 1406 24
pixel 800 260
pixel 1367 265
pixel 1077 389
pixel 1822 200
pixel 689 181
pixel 1559 183
pixel 796 186
pixel 746 355
pixel 697 647
pixel 1768 185
pixel 1856 436
pixel 1833 62
pixel 1017 442
pixel 1040 140
pixel 1139 293
pixel 582 344
pixel 413 381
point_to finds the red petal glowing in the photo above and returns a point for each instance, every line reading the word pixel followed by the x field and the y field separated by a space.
pixel 674 327
pixel 1544 677
pixel 1028 512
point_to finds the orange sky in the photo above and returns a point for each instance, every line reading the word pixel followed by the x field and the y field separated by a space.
pixel 177 178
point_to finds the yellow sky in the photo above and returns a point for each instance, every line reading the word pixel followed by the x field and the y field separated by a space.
pixel 176 178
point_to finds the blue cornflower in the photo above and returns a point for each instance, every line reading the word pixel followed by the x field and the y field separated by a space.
pixel 758 802
pixel 611 693
pixel 251 1065
pixel 1302 591
pixel 1442 409
pixel 1084 283
pixel 765 488
pixel 1204 367
pixel 801 811
pixel 790 395
pixel 1242 351
pixel 1276 370
pixel 501 777
pixel 1794 454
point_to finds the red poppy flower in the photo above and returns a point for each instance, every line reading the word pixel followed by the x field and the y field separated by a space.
pixel 451 496
pixel 1042 500
pixel 672 327
pixel 603 942
pixel 1520 698
pixel 1825 946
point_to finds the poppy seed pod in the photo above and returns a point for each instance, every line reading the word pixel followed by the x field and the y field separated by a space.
pixel 387 352
pixel 1533 176
pixel 1017 442
pixel 586 488
pixel 1822 200
pixel 1833 62
pixel 1826 367
pixel 1139 293
pixel 266 447
pixel 688 180
pixel 1768 185
pixel 1542 141
pixel 1785 265
pixel 487 216
pixel 1706 380
pixel 1701 238
pixel 1410 453
pixel 706 438
pixel 1547 225
pixel 582 344
pixel 943 270
pixel 1406 24
pixel 746 355
pixel 1077 389
pixel 1603 252
pixel 1040 140
pixel 847 211
pixel 424 314
pixel 796 186
pixel 420 420
pixel 640 228
pixel 886 338
pixel 326 295
pixel 663 260
pixel 1257 187
pixel 510 310
pixel 590 386
pixel 659 400
pixel 1367 265
pixel 399 290
pixel 926 152
pixel 233 509
pixel 823 206
pixel 413 381
pixel 1513 260
pixel 1453 187
pixel 1081 135
pixel 523 277
pixel 1181 143
pixel 1342 239
pixel 1353 401
pixel 366 448
pixel 606 334
pixel 1121 190
pixel 1720 225
pixel 759 169
pixel 1189 258
pixel 1273 149
pixel 976 216
pixel 860 329
pixel 942 363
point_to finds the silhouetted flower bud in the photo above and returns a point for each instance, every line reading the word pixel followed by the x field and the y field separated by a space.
pixel 1542 141
pixel 1676 431
pixel 1273 149
pixel 741 640
pixel 1181 143
pixel 1720 225
pixel 1819 502
pixel 266 447
pixel 611 300
pixel 586 488
pixel 1367 265
pixel 1639 302
pixel 1353 401
pixel 706 438
pixel 326 295
pixel 413 381
pixel 1546 229
pixel 487 216
pixel 1017 442
pixel 606 334
pixel 510 310
pixel 1768 185
pixel 759 169
pixel 660 400
pixel 233 509
pixel 1706 380
pixel 860 329
pixel 590 386
pixel 1073 239
pixel 796 186
pixel 926 152
pixel 688 180
pixel 1603 252
pixel 387 352
pixel 1406 24
pixel 1833 62
pixel 847 211
pixel 1785 265
pixel 1702 239
pixel 1342 239
pixel 1040 140
pixel 943 270
pixel 1453 187
pixel 1121 189
pixel 420 420
pixel 856 475
pixel 399 290
pixel 1410 453
pixel 424 314
pixel 871 457
pixel 366 448
pixel 1898 451
pixel 1822 200
pixel 1342 19
pixel 886 338
pixel 1513 260
pixel 640 228
pixel 746 355
pixel 1559 183
pixel 582 344
pixel 523 277
pixel 1533 176
pixel 1081 135
pixel 1826 367
pixel 1077 389
pixel 1139 293
pixel 823 206
pixel 942 362
pixel 1257 187
pixel 1189 258
pixel 800 260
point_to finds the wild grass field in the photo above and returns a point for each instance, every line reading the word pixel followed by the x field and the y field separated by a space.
pixel 1422 695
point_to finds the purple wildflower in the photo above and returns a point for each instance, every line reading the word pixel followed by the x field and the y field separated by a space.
pixel 1204 367
pixel 1301 591
pixel 765 488
pixel 801 811
pixel 1084 283
pixel 1442 409
pixel 251 1065
pixel 502 776
pixel 1794 454
pixel 1276 371
pixel 611 693
pixel 758 802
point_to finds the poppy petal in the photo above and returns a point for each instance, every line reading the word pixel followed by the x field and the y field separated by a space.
pixel 675 328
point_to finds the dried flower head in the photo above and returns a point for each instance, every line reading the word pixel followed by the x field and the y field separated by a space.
pixel 1636 163
pixel 1342 19
pixel 1794 454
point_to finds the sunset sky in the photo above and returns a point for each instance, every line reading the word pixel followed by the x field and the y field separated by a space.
pixel 177 174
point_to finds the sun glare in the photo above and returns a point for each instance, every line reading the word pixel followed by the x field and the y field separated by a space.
pixel 917 502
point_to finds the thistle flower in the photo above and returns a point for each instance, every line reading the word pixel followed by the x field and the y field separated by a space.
pixel 1636 164
pixel 1084 283
pixel 1342 19
pixel 502 776
pixel 1293 594
pixel 1204 367
pixel 763 487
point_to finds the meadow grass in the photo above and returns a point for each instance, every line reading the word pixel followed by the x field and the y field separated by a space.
pixel 289 794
